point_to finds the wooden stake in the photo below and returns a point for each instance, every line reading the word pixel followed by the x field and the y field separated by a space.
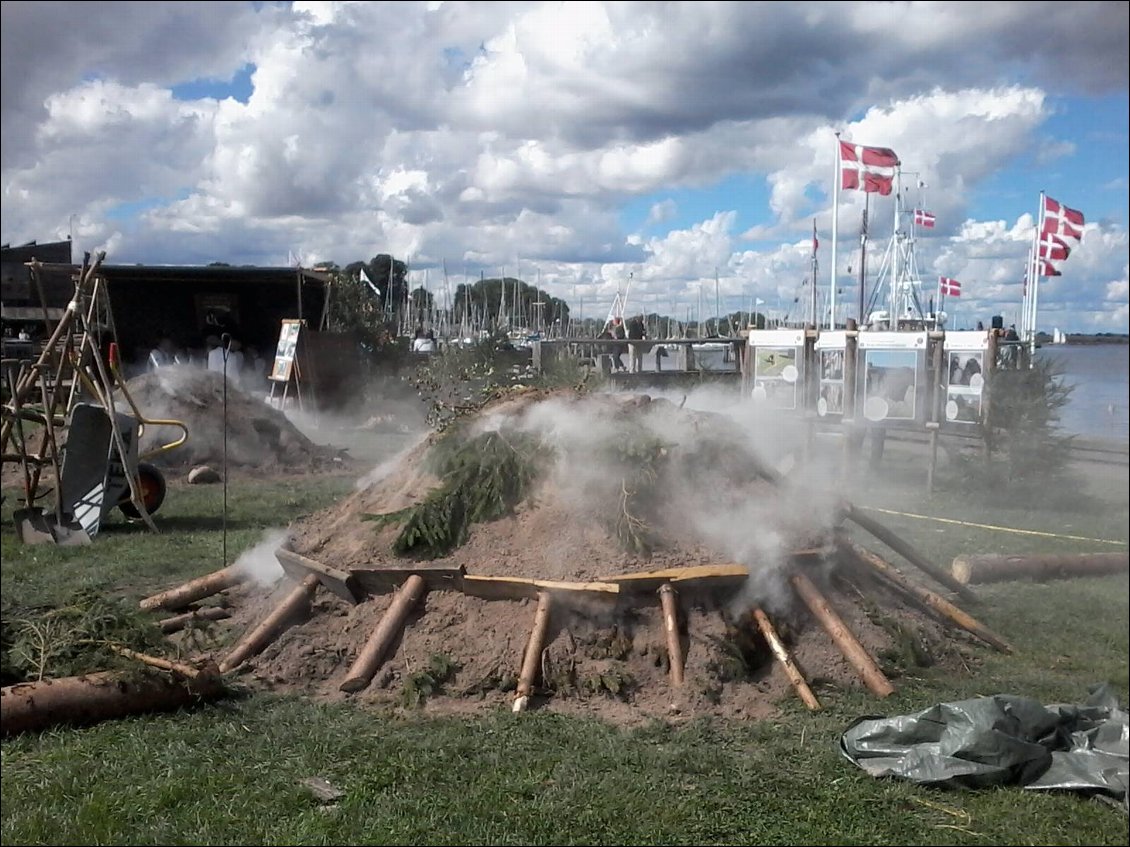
pixel 157 662
pixel 1001 567
pixel 268 630
pixel 670 601
pixel 781 654
pixel 907 552
pixel 928 599
pixel 372 654
pixel 531 660
pixel 179 622
pixel 197 589
pixel 849 645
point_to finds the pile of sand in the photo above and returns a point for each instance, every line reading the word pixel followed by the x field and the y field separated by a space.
pixel 709 504
pixel 258 435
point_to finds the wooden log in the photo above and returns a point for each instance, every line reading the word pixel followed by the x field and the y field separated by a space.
pixel 781 654
pixel 373 653
pixel 908 552
pixel 196 589
pixel 342 583
pixel 179 622
pixel 987 567
pixel 927 599
pixel 849 645
pixel 99 696
pixel 670 602
pixel 531 660
pixel 295 603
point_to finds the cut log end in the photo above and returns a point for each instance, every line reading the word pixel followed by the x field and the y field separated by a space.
pixel 995 567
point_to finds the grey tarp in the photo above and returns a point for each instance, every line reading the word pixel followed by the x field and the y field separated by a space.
pixel 1002 739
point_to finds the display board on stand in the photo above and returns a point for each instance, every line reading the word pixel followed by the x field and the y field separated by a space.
pixel 287 370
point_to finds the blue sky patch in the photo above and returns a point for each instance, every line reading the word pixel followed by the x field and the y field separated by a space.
pixel 238 87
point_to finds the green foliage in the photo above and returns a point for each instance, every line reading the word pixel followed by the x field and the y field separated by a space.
pixel 614 682
pixel 483 479
pixel 429 681
pixel 641 456
pixel 1024 449
pixel 75 638
pixel 460 380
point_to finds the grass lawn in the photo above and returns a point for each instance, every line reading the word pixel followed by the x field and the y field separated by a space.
pixel 230 772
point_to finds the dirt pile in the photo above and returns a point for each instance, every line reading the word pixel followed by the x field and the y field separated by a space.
pixel 587 488
pixel 258 435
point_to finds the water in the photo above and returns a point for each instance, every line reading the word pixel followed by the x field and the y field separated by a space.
pixel 1098 406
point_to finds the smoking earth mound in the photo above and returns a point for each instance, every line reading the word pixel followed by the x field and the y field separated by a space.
pixel 257 435
pixel 587 489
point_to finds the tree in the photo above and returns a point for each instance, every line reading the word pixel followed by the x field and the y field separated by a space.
pixel 509 301
pixel 387 275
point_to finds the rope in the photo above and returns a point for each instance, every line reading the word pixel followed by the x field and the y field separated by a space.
pixel 994 527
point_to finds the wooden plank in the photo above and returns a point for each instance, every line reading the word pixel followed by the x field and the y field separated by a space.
pixel 387 580
pixel 341 583
pixel 703 576
pixel 518 588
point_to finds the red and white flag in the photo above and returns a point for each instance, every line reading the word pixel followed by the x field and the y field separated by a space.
pixel 949 287
pixel 1049 267
pixel 1062 221
pixel 1053 248
pixel 867 168
pixel 923 218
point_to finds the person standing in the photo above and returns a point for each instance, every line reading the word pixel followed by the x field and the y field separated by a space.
pixel 637 332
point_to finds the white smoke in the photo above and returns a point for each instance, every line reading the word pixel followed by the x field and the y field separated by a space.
pixel 759 525
pixel 259 562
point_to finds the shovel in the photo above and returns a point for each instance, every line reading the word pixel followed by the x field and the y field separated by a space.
pixel 33 525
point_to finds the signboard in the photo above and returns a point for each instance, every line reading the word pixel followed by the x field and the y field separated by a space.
pixel 893 373
pixel 965 376
pixel 778 361
pixel 831 350
pixel 283 368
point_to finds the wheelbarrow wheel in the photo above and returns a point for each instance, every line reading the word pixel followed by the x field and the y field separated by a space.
pixel 151 482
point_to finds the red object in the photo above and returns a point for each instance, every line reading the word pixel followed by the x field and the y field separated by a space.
pixel 1049 268
pixel 950 287
pixel 869 169
pixel 1062 221
pixel 1053 247
pixel 924 219
pixel 114 360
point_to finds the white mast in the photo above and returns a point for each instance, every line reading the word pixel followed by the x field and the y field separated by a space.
pixel 835 234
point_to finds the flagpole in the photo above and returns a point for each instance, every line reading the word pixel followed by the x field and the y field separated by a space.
pixel 1036 285
pixel 835 237
pixel 812 307
pixel 1034 277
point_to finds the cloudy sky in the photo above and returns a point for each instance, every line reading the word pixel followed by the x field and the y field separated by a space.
pixel 678 152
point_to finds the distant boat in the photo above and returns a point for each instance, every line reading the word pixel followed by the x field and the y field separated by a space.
pixel 1058 336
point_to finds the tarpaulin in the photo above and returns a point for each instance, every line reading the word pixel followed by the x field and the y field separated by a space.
pixel 1002 739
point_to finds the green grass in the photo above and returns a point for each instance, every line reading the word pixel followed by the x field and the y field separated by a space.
pixel 229 773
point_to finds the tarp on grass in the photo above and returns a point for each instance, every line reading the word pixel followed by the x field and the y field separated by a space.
pixel 1002 739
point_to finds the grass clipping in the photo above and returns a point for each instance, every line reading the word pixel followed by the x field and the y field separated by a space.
pixel 484 478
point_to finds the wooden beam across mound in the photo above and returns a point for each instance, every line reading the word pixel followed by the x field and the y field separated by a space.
pixel 695 576
pixel 385 580
pixel 520 588
pixel 342 583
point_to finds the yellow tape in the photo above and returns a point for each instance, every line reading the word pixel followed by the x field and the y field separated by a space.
pixel 998 528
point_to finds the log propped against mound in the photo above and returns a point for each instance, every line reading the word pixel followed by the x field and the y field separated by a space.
pixel 993 567
pixel 591 553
